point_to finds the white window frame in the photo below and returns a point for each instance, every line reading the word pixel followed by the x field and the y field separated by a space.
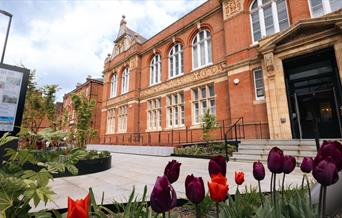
pixel 173 57
pixel 113 86
pixel 258 98
pixel 125 81
pixel 326 8
pixel 175 110
pixel 154 114
pixel 208 58
pixel 122 117
pixel 262 18
pixel 110 121
pixel 155 70
pixel 207 99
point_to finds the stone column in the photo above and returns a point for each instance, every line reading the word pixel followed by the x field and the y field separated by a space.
pixel 338 54
pixel 276 98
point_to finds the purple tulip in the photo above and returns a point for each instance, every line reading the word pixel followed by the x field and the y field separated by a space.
pixel 306 165
pixel 163 196
pixel 217 165
pixel 325 172
pixel 332 149
pixel 172 171
pixel 275 160
pixel 194 189
pixel 258 170
pixel 289 164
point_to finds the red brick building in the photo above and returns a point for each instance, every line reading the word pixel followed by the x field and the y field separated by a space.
pixel 264 68
pixel 91 89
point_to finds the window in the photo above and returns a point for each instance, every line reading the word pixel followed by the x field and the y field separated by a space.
pixel 203 99
pixel 125 81
pixel 111 121
pixel 176 61
pixel 268 17
pixel 259 84
pixel 155 70
pixel 322 7
pixel 201 49
pixel 175 110
pixel 122 115
pixel 113 85
pixel 154 114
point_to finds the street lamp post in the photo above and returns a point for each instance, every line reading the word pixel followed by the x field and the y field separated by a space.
pixel 8 29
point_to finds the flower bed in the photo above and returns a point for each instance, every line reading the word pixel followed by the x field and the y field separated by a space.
pixel 204 151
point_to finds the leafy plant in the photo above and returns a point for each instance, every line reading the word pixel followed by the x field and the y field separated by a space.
pixel 208 123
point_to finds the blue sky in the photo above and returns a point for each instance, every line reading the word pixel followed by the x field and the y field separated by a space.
pixel 66 40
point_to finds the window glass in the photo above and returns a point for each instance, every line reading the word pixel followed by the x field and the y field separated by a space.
pixel 201 49
pixel 317 8
pixel 335 4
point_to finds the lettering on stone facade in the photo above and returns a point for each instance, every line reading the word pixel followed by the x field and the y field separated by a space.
pixel 231 7
pixel 117 99
pixel 187 78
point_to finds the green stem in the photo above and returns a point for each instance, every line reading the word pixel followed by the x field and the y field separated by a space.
pixel 261 198
pixel 303 181
pixel 163 214
pixel 198 211
pixel 320 201
pixel 274 193
pixel 282 187
pixel 271 186
pixel 309 190
pixel 324 200
pixel 217 210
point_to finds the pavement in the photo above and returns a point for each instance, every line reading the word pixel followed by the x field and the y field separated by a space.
pixel 129 170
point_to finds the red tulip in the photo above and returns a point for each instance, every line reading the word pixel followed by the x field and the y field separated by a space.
pixel 163 196
pixel 306 165
pixel 239 178
pixel 258 170
pixel 218 188
pixel 275 160
pixel 217 165
pixel 325 172
pixel 78 208
pixel 194 189
pixel 289 164
pixel 172 171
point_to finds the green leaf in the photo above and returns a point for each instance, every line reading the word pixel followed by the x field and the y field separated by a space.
pixel 6 201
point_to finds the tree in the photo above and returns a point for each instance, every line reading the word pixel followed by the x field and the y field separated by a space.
pixel 84 110
pixel 208 123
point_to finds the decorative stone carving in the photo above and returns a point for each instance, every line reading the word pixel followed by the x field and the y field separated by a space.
pixel 133 62
pixel 231 8
pixel 187 78
pixel 268 59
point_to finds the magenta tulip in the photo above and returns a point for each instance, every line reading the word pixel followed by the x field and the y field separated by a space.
pixel 258 170
pixel 275 160
pixel 163 196
pixel 172 171
pixel 325 172
pixel 194 189
pixel 289 164
pixel 217 165
pixel 332 149
pixel 306 165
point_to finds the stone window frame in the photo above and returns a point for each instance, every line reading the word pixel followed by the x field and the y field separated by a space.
pixel 155 70
pixel 113 86
pixel 196 49
pixel 175 110
pixel 111 115
pixel 258 98
pixel 176 54
pixel 125 81
pixel 199 99
pixel 154 114
pixel 325 7
pixel 257 7
pixel 122 117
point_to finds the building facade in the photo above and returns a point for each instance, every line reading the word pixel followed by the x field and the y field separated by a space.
pixel 92 90
pixel 264 68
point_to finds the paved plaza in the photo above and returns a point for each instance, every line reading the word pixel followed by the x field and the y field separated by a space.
pixel 130 170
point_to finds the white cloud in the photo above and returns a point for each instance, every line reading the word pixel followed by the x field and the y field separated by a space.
pixel 64 49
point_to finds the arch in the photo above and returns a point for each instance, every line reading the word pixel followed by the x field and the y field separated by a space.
pixel 201 49
pixel 171 44
pixel 176 60
pixel 194 32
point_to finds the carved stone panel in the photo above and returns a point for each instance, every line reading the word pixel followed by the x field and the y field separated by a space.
pixel 231 8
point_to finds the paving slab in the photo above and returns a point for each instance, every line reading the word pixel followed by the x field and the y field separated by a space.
pixel 130 170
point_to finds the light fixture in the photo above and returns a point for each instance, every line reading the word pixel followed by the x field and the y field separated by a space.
pixel 236 81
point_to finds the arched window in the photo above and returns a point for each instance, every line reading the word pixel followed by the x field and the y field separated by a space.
pixel 268 17
pixel 155 70
pixel 176 61
pixel 201 49
pixel 113 85
pixel 322 7
pixel 125 81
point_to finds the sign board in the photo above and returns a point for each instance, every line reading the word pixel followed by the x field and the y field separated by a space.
pixel 13 85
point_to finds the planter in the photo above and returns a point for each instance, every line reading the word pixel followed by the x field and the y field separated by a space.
pixel 195 156
pixel 84 167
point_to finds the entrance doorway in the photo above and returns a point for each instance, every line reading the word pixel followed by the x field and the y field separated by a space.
pixel 314 95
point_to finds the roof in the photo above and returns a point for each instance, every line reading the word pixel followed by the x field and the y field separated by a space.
pixel 124 30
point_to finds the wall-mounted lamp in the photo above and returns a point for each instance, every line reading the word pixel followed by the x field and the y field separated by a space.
pixel 236 81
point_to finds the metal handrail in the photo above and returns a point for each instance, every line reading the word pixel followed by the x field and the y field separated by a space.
pixel 233 126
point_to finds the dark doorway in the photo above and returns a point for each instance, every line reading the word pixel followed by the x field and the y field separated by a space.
pixel 314 95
